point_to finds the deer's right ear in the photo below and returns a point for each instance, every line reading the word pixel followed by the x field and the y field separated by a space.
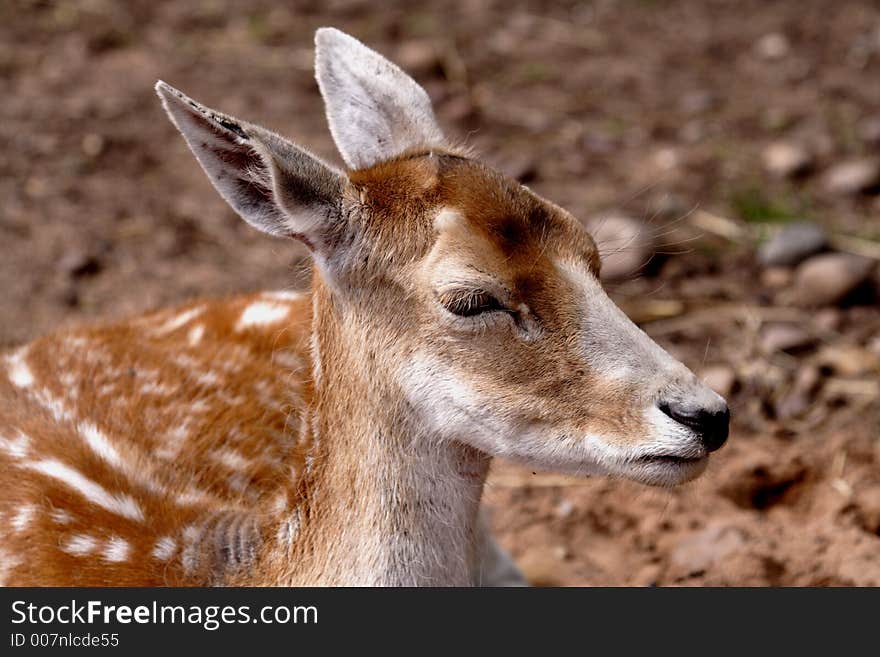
pixel 273 184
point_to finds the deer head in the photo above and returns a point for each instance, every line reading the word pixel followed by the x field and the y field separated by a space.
pixel 454 296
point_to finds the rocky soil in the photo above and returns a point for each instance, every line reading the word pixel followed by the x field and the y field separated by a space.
pixel 725 153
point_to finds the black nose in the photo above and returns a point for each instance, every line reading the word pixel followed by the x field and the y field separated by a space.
pixel 711 425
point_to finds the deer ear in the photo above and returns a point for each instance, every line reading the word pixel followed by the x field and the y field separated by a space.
pixel 276 186
pixel 375 110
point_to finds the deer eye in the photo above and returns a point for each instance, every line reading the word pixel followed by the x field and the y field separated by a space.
pixel 467 303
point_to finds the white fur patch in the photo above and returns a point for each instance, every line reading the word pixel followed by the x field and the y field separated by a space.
pixel 79 545
pixel 195 335
pixel 100 445
pixel 116 550
pixel 61 517
pixel 123 505
pixel 16 448
pixel 23 517
pixel 178 320
pixel 261 313
pixel 19 372
pixel 232 459
pixel 164 548
pixel 283 295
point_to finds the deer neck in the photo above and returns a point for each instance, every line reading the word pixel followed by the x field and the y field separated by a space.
pixel 382 502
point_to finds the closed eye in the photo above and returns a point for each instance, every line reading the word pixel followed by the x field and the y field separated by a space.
pixel 470 302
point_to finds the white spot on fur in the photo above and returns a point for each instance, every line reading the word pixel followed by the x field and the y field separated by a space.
pixel 100 445
pixel 19 372
pixel 79 545
pixel 23 517
pixel 120 504
pixel 159 389
pixel 116 550
pixel 164 548
pixel 232 459
pixel 178 320
pixel 190 556
pixel 194 337
pixel 261 313
pixel 208 378
pixel 283 295
pixel 54 405
pixel 17 448
pixel 61 517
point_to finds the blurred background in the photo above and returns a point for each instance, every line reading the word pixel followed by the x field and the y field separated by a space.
pixel 725 153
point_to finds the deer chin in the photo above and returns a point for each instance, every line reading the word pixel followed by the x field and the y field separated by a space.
pixel 663 469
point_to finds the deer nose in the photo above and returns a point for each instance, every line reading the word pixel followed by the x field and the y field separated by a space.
pixel 711 425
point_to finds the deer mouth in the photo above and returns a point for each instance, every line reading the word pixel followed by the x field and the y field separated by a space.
pixel 667 469
pixel 672 459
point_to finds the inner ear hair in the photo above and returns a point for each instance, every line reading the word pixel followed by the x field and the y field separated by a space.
pixel 276 186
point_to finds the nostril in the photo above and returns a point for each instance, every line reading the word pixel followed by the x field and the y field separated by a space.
pixel 711 425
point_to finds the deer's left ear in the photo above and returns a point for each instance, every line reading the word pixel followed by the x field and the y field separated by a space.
pixel 375 110
pixel 276 186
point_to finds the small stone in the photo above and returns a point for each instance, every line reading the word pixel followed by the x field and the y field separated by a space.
pixel 848 360
pixel 792 405
pixel 807 380
pixel 565 508
pixel 625 245
pixel 773 46
pixel 826 279
pixel 647 575
pixel 703 549
pixel 785 337
pixel 721 378
pixel 93 145
pixel 827 319
pixel 853 176
pixel 793 244
pixel 666 159
pixel 777 277
pixel 562 553
pixel 540 568
pixel 786 160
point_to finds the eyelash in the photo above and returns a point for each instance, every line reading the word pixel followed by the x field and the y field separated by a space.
pixel 470 303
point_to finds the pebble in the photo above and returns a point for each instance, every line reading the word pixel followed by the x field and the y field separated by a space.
pixel 785 337
pixel 701 550
pixel 826 279
pixel 773 46
pixel 565 508
pixel 853 176
pixel 625 245
pixel 793 244
pixel 786 160
pixel 848 360
pixel 792 405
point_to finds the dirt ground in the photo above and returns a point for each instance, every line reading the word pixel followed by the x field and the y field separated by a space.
pixel 660 111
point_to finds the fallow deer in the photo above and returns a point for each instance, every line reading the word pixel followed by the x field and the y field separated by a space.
pixel 339 436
